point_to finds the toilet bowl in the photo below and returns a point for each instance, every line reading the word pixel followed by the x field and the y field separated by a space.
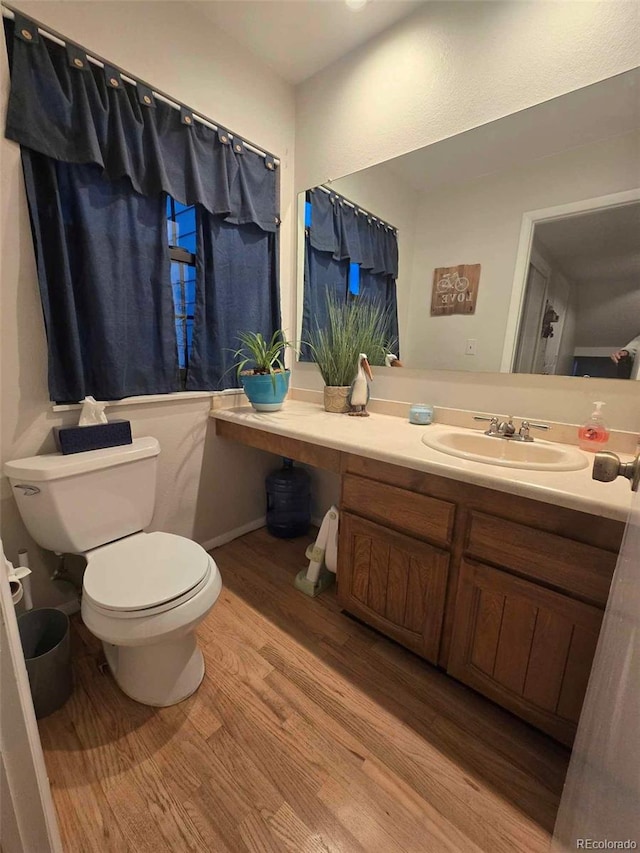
pixel 144 594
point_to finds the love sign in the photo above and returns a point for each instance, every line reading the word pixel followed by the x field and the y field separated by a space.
pixel 455 290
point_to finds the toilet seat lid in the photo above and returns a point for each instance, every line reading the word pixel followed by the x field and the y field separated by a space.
pixel 144 571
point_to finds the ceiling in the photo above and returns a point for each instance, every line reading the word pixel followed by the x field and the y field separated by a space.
pixel 297 38
pixel 602 247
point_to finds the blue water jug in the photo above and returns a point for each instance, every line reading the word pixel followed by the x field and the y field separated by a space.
pixel 288 501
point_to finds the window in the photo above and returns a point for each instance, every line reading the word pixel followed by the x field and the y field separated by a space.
pixel 120 321
pixel 354 279
pixel 181 227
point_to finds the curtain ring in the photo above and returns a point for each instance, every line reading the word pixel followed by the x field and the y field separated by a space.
pixel 25 30
pixel 145 96
pixel 112 77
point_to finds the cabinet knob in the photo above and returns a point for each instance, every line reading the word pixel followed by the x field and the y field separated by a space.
pixel 607 467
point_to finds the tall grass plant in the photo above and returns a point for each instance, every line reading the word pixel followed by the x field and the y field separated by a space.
pixel 353 327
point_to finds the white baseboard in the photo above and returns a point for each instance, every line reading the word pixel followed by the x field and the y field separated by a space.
pixel 230 535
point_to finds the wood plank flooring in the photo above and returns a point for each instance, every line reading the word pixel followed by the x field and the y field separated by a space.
pixel 310 733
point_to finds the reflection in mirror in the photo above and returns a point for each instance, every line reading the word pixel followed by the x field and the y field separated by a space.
pixel 581 307
pixel 350 256
pixel 466 296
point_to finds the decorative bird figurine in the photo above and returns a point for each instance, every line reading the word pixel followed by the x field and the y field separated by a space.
pixel 359 394
pixel 391 360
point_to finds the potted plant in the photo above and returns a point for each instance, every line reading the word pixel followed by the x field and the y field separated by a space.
pixel 353 327
pixel 260 368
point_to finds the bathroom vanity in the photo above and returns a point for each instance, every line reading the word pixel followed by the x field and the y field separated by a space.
pixel 498 575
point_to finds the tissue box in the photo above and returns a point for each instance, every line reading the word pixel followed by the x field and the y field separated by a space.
pixel 77 439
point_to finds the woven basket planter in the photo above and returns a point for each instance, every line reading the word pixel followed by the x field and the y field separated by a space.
pixel 336 398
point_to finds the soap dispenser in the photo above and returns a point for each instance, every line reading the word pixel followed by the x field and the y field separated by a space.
pixel 594 434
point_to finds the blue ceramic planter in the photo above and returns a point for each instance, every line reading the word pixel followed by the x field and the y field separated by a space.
pixel 260 391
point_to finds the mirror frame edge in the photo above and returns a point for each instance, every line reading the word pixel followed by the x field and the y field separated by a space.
pixel 300 242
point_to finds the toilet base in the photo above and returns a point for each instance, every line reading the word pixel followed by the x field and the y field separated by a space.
pixel 159 674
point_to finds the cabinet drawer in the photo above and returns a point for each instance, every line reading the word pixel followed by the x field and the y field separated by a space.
pixel 582 570
pixel 393 582
pixel 419 515
pixel 525 647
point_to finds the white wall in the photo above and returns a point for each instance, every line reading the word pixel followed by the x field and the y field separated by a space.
pixel 450 67
pixel 479 223
pixel 445 69
pixel 205 487
pixel 609 313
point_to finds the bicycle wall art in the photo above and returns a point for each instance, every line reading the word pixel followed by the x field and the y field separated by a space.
pixel 455 290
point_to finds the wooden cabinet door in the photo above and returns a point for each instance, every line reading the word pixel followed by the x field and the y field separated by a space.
pixel 527 648
pixel 393 582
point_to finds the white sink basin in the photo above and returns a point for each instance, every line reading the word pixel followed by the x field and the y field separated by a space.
pixel 534 455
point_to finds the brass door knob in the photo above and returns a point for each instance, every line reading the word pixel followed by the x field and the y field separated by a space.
pixel 607 467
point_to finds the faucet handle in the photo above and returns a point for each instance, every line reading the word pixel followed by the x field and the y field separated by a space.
pixel 494 419
pixel 484 418
pixel 493 423
pixel 523 432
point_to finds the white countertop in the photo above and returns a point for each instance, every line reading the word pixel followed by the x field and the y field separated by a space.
pixel 395 440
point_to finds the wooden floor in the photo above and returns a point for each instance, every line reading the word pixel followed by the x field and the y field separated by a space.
pixel 310 732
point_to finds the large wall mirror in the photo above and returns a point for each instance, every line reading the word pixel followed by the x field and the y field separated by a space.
pixel 518 242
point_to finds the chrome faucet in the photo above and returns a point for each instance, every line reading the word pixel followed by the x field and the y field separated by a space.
pixel 507 429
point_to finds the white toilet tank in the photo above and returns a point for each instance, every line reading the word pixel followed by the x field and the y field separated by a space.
pixel 71 504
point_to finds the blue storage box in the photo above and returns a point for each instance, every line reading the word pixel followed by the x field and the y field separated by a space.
pixel 77 439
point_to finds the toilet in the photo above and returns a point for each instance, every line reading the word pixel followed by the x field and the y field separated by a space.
pixel 144 594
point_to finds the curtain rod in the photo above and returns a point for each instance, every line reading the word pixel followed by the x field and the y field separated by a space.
pixel 357 207
pixel 10 12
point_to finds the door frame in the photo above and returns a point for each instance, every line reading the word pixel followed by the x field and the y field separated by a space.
pixel 529 220
pixel 538 263
pixel 28 804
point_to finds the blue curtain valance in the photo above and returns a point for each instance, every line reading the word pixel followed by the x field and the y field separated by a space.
pixel 347 234
pixel 71 110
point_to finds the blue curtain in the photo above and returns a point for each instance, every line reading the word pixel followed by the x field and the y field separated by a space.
pixel 63 106
pixel 338 237
pixel 100 157
pixel 103 267
pixel 322 275
pixel 236 291
pixel 347 234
